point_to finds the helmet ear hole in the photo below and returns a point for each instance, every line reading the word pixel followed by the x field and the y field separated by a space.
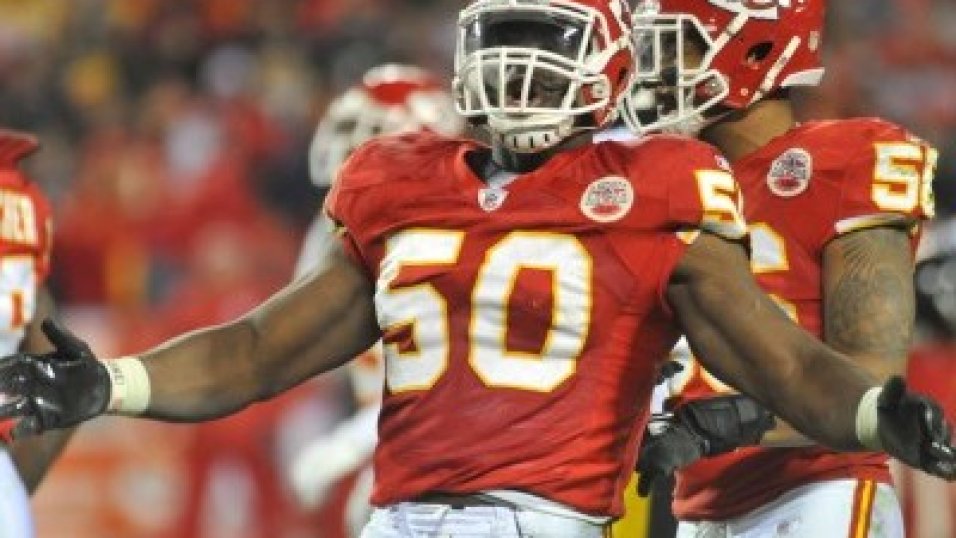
pixel 758 52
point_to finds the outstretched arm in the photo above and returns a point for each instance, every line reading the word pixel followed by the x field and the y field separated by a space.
pixel 868 305
pixel 868 299
pixel 744 338
pixel 315 324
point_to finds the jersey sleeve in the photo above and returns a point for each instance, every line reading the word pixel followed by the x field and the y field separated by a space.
pixel 703 194
pixel 354 205
pixel 887 178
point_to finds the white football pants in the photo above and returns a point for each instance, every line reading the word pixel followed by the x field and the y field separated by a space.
pixel 425 520
pixel 834 508
pixel 15 518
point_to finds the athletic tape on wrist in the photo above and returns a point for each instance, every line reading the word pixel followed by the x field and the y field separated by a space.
pixel 868 420
pixel 129 386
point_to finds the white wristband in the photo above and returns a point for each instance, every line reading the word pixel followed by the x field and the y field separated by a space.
pixel 868 420
pixel 129 386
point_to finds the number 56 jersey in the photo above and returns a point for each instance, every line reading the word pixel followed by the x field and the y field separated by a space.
pixel 802 190
pixel 523 326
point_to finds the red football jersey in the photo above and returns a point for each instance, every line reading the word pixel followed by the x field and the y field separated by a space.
pixel 25 234
pixel 523 326
pixel 801 190
pixel 25 230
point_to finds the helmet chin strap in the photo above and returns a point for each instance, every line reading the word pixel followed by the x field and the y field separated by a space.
pixel 531 135
pixel 691 126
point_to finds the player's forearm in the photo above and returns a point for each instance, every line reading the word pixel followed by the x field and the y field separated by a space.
pixel 33 456
pixel 820 395
pixel 743 338
pixel 785 436
pixel 205 374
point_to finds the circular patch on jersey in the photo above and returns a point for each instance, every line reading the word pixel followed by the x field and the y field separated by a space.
pixel 790 173
pixel 607 199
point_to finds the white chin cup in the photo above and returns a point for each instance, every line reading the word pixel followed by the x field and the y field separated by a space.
pixel 533 134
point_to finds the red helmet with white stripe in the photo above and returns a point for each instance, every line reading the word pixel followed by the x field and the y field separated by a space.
pixel 751 48
pixel 390 99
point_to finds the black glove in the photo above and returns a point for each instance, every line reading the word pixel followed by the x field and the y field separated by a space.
pixel 668 445
pixel 913 429
pixel 54 390
pixel 698 429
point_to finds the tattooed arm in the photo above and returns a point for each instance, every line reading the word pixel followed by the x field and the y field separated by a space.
pixel 868 305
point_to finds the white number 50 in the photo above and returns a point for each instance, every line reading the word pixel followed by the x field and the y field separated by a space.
pixel 422 310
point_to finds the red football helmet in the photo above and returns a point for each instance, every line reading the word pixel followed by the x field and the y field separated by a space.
pixel 531 68
pixel 751 48
pixel 391 99
pixel 16 146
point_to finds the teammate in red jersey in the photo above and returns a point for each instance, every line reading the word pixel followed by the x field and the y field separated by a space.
pixel 527 294
pixel 390 99
pixel 834 209
pixel 25 235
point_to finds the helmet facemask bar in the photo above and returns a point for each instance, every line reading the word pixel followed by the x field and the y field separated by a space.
pixel 671 92
pixel 530 84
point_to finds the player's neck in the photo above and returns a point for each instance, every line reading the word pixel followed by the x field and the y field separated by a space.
pixel 522 163
pixel 748 130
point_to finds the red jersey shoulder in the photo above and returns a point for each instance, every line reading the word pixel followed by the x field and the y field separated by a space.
pixel 383 170
pixel 693 178
pixel 852 133
pixel 881 171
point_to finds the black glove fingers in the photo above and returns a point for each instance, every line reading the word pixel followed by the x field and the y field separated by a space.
pixel 934 421
pixel 893 392
pixel 943 463
pixel 68 346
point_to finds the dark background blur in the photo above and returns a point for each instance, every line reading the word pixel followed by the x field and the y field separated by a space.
pixel 174 149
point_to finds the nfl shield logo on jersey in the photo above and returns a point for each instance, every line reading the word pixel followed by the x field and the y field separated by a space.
pixel 607 199
pixel 790 173
pixel 491 198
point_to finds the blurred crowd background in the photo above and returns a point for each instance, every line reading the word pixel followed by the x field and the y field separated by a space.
pixel 175 135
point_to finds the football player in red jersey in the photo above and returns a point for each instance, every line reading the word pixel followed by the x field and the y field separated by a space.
pixel 834 209
pixel 526 293
pixel 25 235
pixel 390 99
